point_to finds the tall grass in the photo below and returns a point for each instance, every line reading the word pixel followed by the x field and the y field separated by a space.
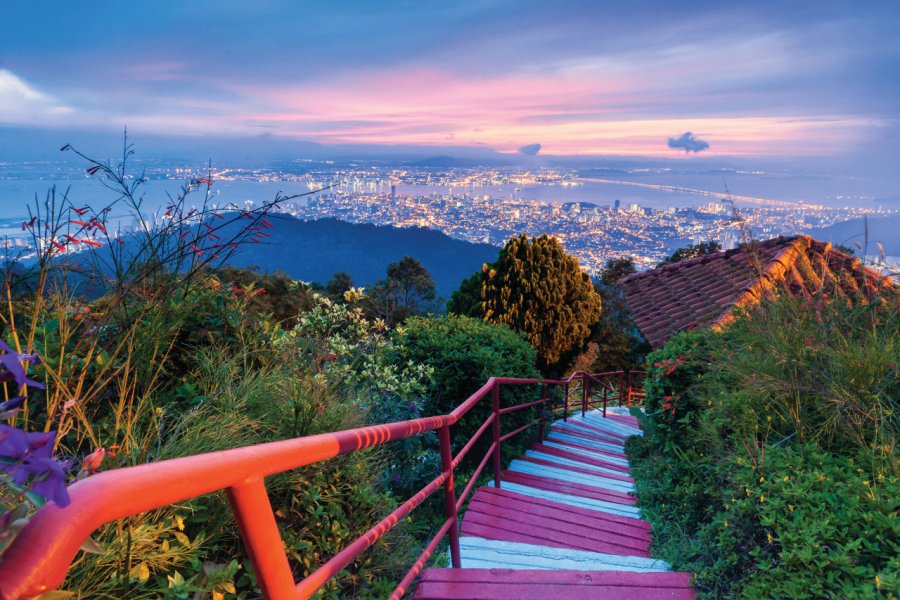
pixel 770 465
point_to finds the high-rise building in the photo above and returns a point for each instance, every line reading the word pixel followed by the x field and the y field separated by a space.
pixel 617 204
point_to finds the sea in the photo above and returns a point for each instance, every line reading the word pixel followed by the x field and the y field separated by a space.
pixel 681 190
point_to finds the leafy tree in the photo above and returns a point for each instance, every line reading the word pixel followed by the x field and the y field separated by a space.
pixel 466 300
pixel 275 294
pixel 539 290
pixel 692 251
pixel 615 343
pixel 403 293
pixel 615 269
pixel 338 285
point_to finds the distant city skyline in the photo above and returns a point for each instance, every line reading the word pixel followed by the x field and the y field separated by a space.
pixel 767 81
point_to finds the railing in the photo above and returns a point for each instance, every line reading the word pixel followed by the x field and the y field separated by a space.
pixel 43 551
pixel 601 389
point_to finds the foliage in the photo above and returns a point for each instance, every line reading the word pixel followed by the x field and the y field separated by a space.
pixel 769 467
pixel 466 301
pixel 464 353
pixel 168 357
pixel 539 290
pixel 692 251
pixel 615 269
pixel 405 292
pixel 272 296
pixel 339 284
pixel 614 343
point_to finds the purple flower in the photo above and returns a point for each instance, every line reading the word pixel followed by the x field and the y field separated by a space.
pixel 11 406
pixel 12 361
pixel 25 456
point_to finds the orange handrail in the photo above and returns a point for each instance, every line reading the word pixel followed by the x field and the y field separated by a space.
pixel 42 552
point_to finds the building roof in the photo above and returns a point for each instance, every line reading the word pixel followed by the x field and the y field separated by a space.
pixel 705 290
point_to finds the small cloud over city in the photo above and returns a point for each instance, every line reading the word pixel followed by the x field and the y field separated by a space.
pixel 530 149
pixel 688 142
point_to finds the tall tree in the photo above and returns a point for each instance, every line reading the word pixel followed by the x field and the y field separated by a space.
pixel 406 291
pixel 466 301
pixel 539 290
pixel 615 269
pixel 338 285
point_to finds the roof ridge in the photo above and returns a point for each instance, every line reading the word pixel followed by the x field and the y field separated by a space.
pixel 767 276
pixel 705 258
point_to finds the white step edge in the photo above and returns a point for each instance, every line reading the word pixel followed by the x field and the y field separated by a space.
pixel 596 455
pixel 571 463
pixel 561 474
pixel 480 553
pixel 612 508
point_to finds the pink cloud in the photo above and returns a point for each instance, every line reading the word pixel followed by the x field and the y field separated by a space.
pixel 568 111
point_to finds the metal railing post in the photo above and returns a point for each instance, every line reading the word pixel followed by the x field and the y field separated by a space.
pixel 495 397
pixel 541 414
pixel 566 404
pixel 584 393
pixel 450 493
pixel 605 397
pixel 262 539
pixel 628 374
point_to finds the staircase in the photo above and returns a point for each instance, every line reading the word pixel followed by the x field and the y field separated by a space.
pixel 563 524
pixel 560 522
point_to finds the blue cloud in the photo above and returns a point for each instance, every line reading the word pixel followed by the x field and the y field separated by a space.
pixel 688 143
pixel 530 149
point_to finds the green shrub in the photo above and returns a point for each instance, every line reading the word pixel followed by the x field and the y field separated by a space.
pixel 769 468
pixel 464 353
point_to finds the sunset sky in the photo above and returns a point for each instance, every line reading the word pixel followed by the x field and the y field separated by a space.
pixel 771 79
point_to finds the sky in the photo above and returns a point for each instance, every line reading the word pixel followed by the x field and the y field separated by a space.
pixel 764 80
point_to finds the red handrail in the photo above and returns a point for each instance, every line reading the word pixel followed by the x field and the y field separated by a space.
pixel 42 552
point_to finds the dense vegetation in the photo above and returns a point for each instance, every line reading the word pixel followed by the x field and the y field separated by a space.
pixel 535 288
pixel 770 464
pixel 173 355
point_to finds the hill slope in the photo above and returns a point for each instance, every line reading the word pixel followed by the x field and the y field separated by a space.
pixel 884 230
pixel 314 250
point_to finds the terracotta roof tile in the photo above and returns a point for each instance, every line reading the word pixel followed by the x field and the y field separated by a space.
pixel 704 290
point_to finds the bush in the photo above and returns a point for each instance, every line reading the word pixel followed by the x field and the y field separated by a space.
pixel 769 466
pixel 464 353
pixel 164 359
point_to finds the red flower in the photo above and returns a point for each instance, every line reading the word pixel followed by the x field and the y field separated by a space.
pixel 93 460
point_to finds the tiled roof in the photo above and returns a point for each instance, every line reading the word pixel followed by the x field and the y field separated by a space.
pixel 705 290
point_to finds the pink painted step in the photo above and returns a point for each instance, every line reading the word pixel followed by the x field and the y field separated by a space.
pixel 547 463
pixel 564 487
pixel 505 584
pixel 507 516
pixel 597 462
pixel 588 436
pixel 624 419
pixel 598 430
pixel 556 440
